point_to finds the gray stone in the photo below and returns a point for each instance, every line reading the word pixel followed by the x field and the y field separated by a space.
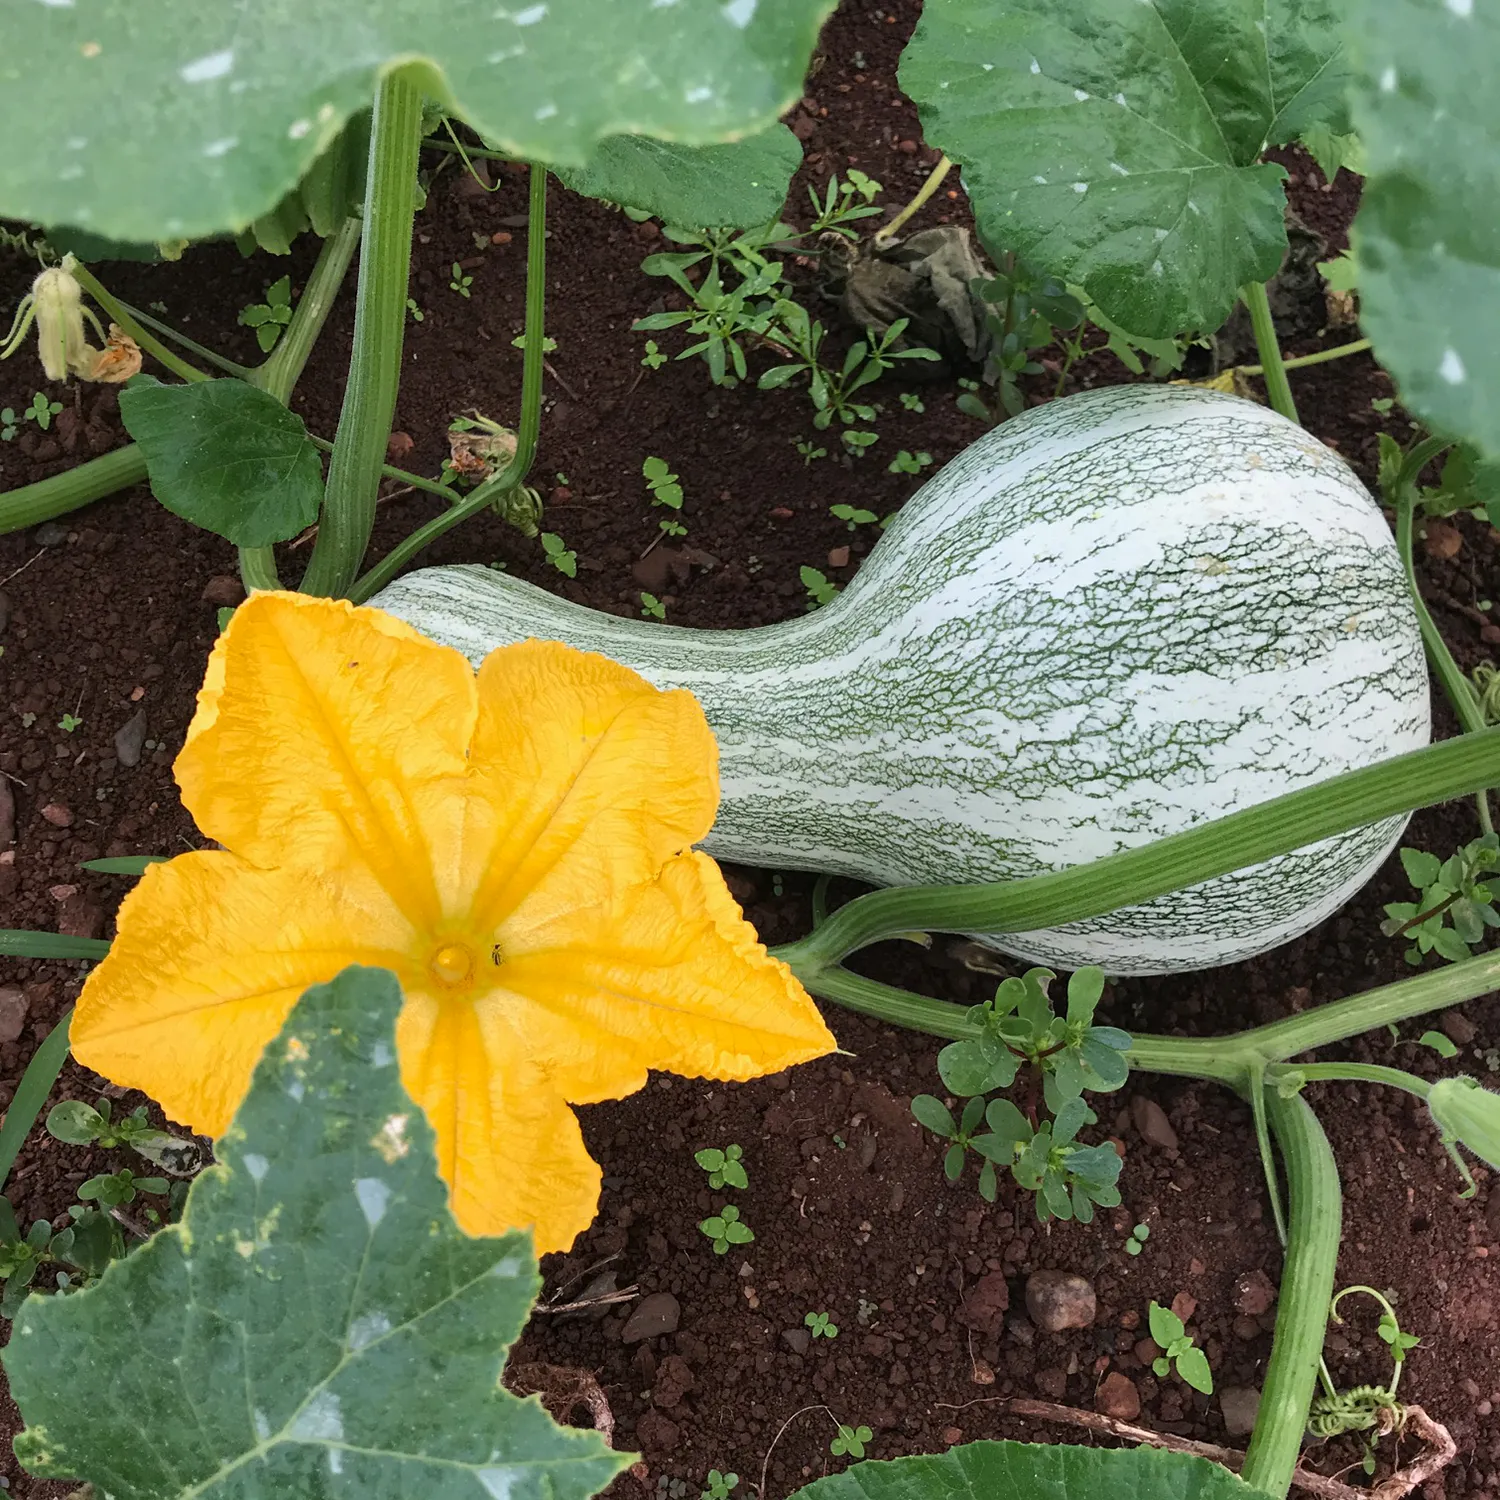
pixel 1458 1027
pixel 1058 1299
pixel 130 739
pixel 1151 1123
pixel 1239 1404
pixel 654 1315
pixel 796 1339
pixel 50 534
pixel 13 1006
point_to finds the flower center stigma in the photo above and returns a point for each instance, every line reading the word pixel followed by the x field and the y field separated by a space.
pixel 452 963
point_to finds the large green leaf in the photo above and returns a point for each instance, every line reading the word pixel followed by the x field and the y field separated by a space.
pixel 317 1325
pixel 1116 142
pixel 701 187
pixel 1428 231
pixel 226 456
pixel 177 119
pixel 1031 1471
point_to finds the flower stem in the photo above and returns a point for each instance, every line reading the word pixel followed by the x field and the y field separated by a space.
pixel 122 315
pixel 209 356
pixel 379 332
pixel 1315 1220
pixel 531 408
pixel 887 232
pixel 1293 821
pixel 1273 367
pixel 389 471
pixel 1341 1072
pixel 72 490
pixel 1322 357
pixel 31 1093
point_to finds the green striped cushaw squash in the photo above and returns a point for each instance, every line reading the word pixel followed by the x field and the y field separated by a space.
pixel 1112 618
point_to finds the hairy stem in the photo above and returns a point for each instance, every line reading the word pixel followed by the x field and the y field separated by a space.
pixel 531 407
pixel 207 355
pixel 1340 1072
pixel 1273 367
pixel 379 333
pixel 934 181
pixel 120 314
pixel 1307 1274
pixel 1322 357
pixel 72 490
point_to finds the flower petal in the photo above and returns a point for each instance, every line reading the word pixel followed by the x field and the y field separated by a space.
pixel 508 1147
pixel 316 722
pixel 210 958
pixel 586 780
pixel 669 976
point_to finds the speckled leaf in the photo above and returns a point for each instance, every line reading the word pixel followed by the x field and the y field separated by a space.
pixel 1428 235
pixel 1117 143
pixel 176 120
pixel 1033 1471
pixel 226 456
pixel 700 187
pixel 317 1324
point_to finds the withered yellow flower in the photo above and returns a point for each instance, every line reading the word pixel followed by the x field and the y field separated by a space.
pixel 515 846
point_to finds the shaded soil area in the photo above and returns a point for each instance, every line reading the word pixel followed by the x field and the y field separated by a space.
pixel 106 619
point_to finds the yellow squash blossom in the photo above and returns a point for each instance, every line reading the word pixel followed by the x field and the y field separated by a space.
pixel 516 846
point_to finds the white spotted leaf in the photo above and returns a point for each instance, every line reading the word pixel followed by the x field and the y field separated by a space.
pixel 1428 232
pixel 317 1324
pixel 1117 143
pixel 176 120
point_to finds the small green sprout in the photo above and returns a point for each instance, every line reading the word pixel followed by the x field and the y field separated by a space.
pixel 268 318
pixel 1439 1043
pixel 821 1327
pixel 725 1229
pixel 908 463
pixel 558 555
pixel 1137 1241
pixel 662 482
pixel 549 345
pixel 819 590
pixel 852 516
pixel 116 1189
pixel 851 1440
pixel 652 607
pixel 458 282
pixel 41 411
pixel 719 1485
pixel 671 526
pixel 1455 905
pixel 414 312
pixel 912 401
pixel 654 359
pixel 10 424
pixel 1192 1363
pixel 857 443
pixel 68 723
pixel 809 451
pixel 724 1168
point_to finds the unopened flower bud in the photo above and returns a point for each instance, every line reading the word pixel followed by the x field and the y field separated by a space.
pixel 1470 1114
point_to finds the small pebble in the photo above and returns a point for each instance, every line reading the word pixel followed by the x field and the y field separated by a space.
pixel 1458 1027
pixel 1057 1300
pixel 952 1435
pixel 4 611
pixel 7 812
pixel 1151 1123
pixel 223 589
pixel 838 557
pixel 13 1007
pixel 654 1315
pixel 1117 1397
pixel 130 739
pixel 57 815
pixel 796 1339
pixel 1239 1405
pixel 50 534
pixel 1254 1294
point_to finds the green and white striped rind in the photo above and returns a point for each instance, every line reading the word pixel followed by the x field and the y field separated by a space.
pixel 1113 618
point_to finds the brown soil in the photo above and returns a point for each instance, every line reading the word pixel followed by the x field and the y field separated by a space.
pixel 850 1210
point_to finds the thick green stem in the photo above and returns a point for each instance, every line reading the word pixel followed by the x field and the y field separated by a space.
pixel 1273 367
pixel 531 408
pixel 379 333
pixel 122 315
pixel 1453 769
pixel 1308 1269
pixel 31 1093
pixel 1322 357
pixel 1340 1072
pixel 49 498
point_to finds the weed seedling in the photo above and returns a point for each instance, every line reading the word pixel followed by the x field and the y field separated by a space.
pixel 852 516
pixel 1137 1241
pixel 549 345
pixel 116 1189
pixel 654 359
pixel 843 203
pixel 414 312
pixel 10 424
pixel 719 1485
pixel 671 526
pixel 851 1441
pixel 87 1246
pixel 559 556
pixel 458 282
pixel 68 723
pixel 725 1229
pixel 268 318
pixel 912 401
pixel 857 444
pixel 80 1124
pixel 1180 1350
pixel 820 1325
pixel 725 1168
pixel 1454 905
pixel 652 607
pixel 819 590
pixel 41 411
pixel 662 482
pixel 809 451
pixel 908 463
